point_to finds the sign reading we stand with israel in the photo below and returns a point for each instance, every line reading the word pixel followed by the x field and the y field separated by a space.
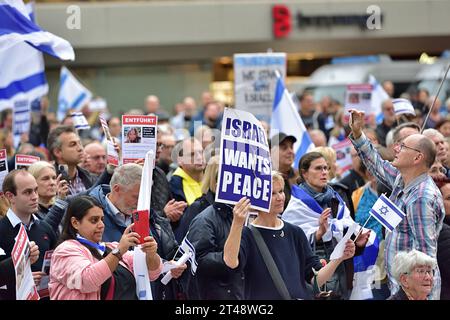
pixel 245 167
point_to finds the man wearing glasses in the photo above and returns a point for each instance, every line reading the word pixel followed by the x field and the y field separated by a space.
pixel 413 191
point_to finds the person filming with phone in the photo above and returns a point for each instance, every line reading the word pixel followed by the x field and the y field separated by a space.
pixel 322 207
pixel 413 191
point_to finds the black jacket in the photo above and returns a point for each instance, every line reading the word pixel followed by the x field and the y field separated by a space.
pixel 400 295
pixel 208 232
pixel 191 212
pixel 160 191
pixel 443 258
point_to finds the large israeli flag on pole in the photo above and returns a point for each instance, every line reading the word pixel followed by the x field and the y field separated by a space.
pixel 286 119
pixel 16 27
pixel 377 99
pixel 22 76
pixel 72 94
pixel 387 213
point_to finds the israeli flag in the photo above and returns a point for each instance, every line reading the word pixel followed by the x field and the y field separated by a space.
pixel 304 211
pixel 286 119
pixel 22 71
pixel 16 27
pixel 387 213
pixel 364 267
pixel 377 99
pixel 72 94
pixel 79 121
pixel 403 106
pixel 187 247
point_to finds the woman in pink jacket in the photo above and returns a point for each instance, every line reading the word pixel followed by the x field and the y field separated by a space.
pixel 82 267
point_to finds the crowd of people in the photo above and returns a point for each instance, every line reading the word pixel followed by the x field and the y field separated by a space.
pixel 77 205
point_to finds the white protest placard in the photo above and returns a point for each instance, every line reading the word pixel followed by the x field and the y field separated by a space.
pixel 245 167
pixel 21 119
pixel 23 161
pixel 113 156
pixel 359 97
pixel 20 254
pixel 3 167
pixel 338 251
pixel 343 155
pixel 255 81
pixel 138 137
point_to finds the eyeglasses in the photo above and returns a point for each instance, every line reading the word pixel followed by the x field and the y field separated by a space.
pixel 321 168
pixel 438 170
pixel 422 272
pixel 402 145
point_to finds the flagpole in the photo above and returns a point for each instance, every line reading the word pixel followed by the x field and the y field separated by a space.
pixel 435 98
pixel 361 230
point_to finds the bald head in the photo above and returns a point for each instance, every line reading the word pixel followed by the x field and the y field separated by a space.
pixel 152 104
pixel 96 162
pixel 425 145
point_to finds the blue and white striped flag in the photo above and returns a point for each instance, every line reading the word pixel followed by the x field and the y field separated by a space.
pixel 403 106
pixel 16 27
pixel 22 71
pixel 304 211
pixel 377 99
pixel 286 119
pixel 387 213
pixel 72 94
pixel 186 246
pixel 79 121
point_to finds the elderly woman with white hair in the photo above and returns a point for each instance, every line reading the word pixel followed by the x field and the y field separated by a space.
pixel 414 271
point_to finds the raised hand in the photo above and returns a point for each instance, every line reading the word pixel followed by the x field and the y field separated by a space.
pixel 240 210
pixel 34 252
pixel 349 250
pixel 62 187
pixel 323 223
pixel 356 122
pixel 128 239
pixel 174 209
pixel 150 246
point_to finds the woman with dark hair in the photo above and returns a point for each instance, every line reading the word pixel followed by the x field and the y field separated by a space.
pixel 82 268
pixel 322 214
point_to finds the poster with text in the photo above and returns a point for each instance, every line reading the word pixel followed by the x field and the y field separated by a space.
pixel 343 155
pixel 245 166
pixel 20 254
pixel 43 285
pixel 3 167
pixel 23 161
pixel 255 81
pixel 138 137
pixel 359 97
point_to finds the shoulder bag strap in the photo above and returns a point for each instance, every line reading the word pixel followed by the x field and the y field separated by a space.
pixel 270 264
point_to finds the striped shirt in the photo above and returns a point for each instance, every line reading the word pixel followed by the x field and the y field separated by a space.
pixel 420 200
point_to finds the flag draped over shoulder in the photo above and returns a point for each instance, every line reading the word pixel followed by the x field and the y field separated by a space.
pixel 286 119
pixel 72 94
pixel 304 211
pixel 16 27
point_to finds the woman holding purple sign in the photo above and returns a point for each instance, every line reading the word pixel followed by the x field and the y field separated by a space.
pixel 286 244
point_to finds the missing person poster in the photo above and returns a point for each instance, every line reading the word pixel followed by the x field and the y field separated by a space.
pixel 43 285
pixel 138 137
pixel 359 97
pixel 113 156
pixel 3 168
pixel 245 168
pixel 25 288
pixel 255 81
pixel 23 161
pixel 343 155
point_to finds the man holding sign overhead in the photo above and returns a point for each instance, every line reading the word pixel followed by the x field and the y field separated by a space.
pixel 413 192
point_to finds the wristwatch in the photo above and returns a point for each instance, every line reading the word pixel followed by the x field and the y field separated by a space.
pixel 116 252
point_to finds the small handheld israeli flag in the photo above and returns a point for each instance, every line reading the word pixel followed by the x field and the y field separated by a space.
pixel 79 121
pixel 387 213
pixel 186 246
pixel 403 106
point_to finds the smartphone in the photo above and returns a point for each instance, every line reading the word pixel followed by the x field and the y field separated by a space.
pixel 334 207
pixel 64 173
pixel 141 220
